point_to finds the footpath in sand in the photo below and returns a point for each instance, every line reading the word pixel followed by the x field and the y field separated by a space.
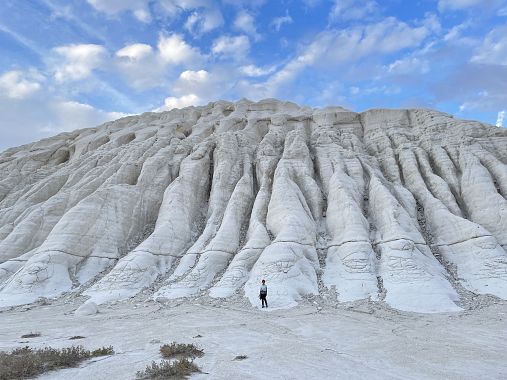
pixel 363 341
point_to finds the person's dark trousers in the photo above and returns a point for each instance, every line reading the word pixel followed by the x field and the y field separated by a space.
pixel 264 301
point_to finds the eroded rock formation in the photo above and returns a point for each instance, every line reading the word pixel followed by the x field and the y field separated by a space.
pixel 401 206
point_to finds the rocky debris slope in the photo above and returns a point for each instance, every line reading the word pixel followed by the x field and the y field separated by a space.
pixel 403 206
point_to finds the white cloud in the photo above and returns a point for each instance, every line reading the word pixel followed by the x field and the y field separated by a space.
pixel 457 4
pixel 502 12
pixel 409 65
pixel 181 102
pixel 194 76
pixel 143 15
pixel 311 3
pixel 200 86
pixel 384 90
pixel 16 84
pixel 288 72
pixel 338 46
pixel 141 66
pixel 494 48
pixel 455 33
pixel 174 50
pixel 203 21
pixel 135 51
pixel 500 118
pixel 245 22
pixel 254 71
pixel 146 10
pixel 71 115
pixel 42 115
pixel 277 22
pixel 352 9
pixel 388 36
pixel 236 47
pixel 76 62
pixel 111 7
pixel 245 3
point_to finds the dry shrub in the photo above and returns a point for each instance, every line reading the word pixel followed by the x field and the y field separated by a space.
pixel 180 350
pixel 179 369
pixel 31 335
pixel 26 362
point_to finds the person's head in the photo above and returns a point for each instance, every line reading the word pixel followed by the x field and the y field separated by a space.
pixel 263 282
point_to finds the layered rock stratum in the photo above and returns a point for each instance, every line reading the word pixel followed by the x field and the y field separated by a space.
pixel 406 207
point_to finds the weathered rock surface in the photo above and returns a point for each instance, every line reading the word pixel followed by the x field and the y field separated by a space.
pixel 400 206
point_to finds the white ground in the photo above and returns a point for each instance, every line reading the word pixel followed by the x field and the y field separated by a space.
pixel 363 341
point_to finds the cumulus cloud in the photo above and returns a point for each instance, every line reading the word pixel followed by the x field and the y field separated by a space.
pixel 141 66
pixel 235 47
pixel 197 87
pixel 145 67
pixel 180 102
pixel 16 84
pixel 194 76
pixel 135 52
pixel 77 61
pixel 205 85
pixel 174 50
pixel 500 118
pixel 278 22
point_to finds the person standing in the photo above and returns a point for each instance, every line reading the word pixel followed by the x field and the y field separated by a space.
pixel 263 294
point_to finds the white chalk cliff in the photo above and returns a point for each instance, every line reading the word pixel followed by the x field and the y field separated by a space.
pixel 407 207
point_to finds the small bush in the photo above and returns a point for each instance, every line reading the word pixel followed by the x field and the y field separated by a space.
pixel 31 335
pixel 76 337
pixel 175 350
pixel 179 369
pixel 103 351
pixel 240 357
pixel 26 362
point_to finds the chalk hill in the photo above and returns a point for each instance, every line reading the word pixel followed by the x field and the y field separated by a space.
pixel 407 207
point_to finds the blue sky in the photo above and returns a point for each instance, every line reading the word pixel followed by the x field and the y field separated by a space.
pixel 67 64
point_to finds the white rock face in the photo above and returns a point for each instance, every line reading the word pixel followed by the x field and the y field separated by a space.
pixel 88 308
pixel 400 206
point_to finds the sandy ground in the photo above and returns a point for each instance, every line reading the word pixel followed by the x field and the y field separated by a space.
pixel 349 342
